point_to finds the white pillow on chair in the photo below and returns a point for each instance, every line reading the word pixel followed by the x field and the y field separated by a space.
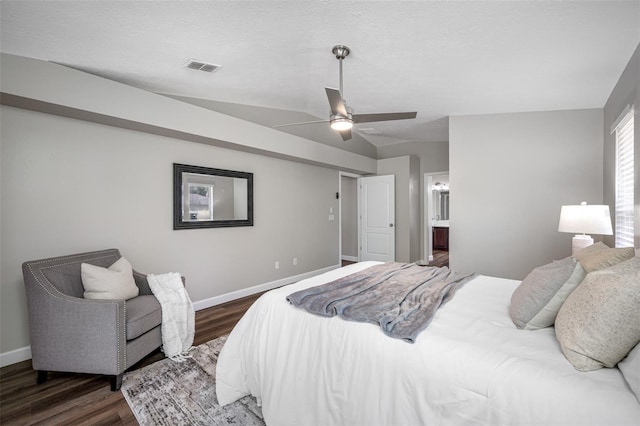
pixel 115 282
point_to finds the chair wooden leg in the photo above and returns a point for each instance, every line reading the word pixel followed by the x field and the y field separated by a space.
pixel 42 377
pixel 116 382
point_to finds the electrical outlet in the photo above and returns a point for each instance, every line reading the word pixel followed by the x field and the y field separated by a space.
pixel 277 265
pixel 295 261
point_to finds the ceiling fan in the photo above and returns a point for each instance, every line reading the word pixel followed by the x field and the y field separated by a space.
pixel 342 117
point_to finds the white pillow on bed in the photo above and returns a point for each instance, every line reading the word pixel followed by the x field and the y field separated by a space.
pixel 599 323
pixel 630 368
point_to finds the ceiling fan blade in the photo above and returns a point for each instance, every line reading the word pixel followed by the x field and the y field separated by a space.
pixel 302 122
pixel 366 118
pixel 346 134
pixel 336 102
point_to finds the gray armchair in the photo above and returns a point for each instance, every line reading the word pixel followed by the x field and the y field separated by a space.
pixel 72 334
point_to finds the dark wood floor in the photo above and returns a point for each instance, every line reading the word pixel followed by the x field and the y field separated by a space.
pixel 84 399
pixel 440 258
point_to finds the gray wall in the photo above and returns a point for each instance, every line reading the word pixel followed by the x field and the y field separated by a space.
pixel 97 173
pixel 406 171
pixel 265 116
pixel 626 92
pixel 510 174
pixel 70 186
pixel 433 157
pixel 415 208
pixel 52 88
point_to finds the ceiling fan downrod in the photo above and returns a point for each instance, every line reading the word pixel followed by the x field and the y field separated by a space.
pixel 341 52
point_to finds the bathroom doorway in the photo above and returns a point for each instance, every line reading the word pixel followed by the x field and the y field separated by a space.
pixel 436 218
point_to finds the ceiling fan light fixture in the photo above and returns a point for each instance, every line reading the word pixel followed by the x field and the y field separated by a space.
pixel 341 123
pixel 341 116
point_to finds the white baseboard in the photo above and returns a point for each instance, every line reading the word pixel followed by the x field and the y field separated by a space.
pixel 23 354
pixel 350 258
pixel 15 356
pixel 224 298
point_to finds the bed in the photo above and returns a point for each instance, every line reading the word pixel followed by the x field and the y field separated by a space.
pixel 470 366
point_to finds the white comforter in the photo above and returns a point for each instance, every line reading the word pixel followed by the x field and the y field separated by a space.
pixel 470 366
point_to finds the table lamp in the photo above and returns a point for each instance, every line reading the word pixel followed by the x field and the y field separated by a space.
pixel 584 219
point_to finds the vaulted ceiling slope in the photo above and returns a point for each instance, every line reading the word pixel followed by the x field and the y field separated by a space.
pixel 438 58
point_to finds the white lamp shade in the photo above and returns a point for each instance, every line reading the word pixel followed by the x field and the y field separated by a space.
pixel 585 219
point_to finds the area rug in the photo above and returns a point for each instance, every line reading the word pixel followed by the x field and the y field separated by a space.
pixel 184 393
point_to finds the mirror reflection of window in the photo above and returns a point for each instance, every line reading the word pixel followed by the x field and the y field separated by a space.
pixel 211 198
pixel 200 202
pixel 444 205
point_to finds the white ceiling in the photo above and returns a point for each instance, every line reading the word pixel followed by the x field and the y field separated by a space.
pixel 438 58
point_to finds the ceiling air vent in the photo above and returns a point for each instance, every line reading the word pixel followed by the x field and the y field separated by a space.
pixel 202 66
pixel 369 131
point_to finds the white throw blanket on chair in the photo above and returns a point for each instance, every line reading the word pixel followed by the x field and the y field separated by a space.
pixel 178 316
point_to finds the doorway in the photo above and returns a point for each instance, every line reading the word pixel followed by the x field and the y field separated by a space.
pixel 366 208
pixel 436 216
pixel 348 217
pixel 376 210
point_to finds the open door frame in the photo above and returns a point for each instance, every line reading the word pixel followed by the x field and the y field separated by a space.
pixel 426 209
pixel 340 222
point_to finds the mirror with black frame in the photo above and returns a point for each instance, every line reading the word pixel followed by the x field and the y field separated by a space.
pixel 204 197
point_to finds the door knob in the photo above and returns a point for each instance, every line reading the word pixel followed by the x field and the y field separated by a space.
pixel 391 225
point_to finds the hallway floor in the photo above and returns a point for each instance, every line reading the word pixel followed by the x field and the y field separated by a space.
pixel 440 258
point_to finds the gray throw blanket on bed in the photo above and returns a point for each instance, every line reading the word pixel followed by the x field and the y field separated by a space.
pixel 401 297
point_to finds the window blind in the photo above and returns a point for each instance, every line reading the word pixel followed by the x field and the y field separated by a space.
pixel 624 182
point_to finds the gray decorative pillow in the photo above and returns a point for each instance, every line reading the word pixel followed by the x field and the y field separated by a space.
pixel 630 368
pixel 537 300
pixel 114 282
pixel 599 322
pixel 593 260
pixel 593 247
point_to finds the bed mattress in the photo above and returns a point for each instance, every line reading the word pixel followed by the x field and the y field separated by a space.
pixel 470 366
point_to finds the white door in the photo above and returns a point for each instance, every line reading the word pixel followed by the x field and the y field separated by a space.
pixel 377 218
